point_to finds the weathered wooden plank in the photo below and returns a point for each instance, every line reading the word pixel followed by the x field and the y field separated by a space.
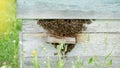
pixel 88 45
pixel 21 51
pixel 31 26
pixel 95 26
pixel 84 9
pixel 68 40
pixel 68 62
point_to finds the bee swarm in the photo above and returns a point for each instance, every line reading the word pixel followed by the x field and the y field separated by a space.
pixel 64 27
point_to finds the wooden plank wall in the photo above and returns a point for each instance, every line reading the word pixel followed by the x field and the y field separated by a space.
pixel 100 38
pixel 103 25
pixel 68 9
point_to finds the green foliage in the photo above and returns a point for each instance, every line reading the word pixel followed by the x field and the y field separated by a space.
pixel 79 63
pixel 9 34
pixel 60 62
pixel 94 61
pixel 110 62
pixel 35 60
pixel 9 50
pixel 48 63
pixel 90 60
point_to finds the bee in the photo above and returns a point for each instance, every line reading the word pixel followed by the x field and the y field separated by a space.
pixel 64 27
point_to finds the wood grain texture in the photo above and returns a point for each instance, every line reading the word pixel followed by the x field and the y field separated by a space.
pixel 95 26
pixel 31 26
pixel 100 38
pixel 88 45
pixel 68 40
pixel 68 62
pixel 83 9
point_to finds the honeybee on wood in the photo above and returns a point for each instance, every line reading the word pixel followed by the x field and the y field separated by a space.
pixel 64 28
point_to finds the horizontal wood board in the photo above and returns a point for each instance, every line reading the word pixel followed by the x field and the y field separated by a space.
pixel 68 40
pixel 72 9
pixel 100 38
pixel 96 26
pixel 68 62
pixel 88 45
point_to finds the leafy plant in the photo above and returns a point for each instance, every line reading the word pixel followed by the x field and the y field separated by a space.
pixel 60 62
pixel 79 64
pixel 48 63
pixel 90 60
pixel 35 60
pixel 95 61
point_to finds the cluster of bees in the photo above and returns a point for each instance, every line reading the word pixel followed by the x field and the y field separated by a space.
pixel 64 27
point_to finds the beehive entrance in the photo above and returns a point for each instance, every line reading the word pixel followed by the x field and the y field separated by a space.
pixel 64 27
pixel 60 28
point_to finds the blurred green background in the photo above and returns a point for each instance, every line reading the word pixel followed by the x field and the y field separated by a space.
pixel 10 27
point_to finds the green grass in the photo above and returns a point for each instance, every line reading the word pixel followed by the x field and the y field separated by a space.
pixel 9 35
pixel 9 47
pixel 93 61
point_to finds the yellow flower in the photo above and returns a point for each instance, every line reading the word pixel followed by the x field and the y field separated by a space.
pixel 34 53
